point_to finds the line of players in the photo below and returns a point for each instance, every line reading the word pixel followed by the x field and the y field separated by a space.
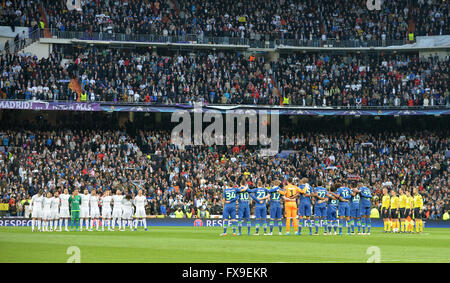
pixel 353 205
pixel 398 212
pixel 53 209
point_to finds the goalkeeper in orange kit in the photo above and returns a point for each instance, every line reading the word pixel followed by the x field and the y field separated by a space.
pixel 290 193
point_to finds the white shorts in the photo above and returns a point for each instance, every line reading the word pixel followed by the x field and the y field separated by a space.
pixel 84 212
pixel 54 215
pixel 127 214
pixel 46 214
pixel 117 213
pixel 95 212
pixel 140 212
pixel 106 213
pixel 64 212
pixel 36 213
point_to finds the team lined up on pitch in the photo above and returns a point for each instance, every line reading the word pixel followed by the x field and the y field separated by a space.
pixel 352 205
pixel 48 211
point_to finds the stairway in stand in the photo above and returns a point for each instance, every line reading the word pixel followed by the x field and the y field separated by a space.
pixel 411 23
pixel 75 86
pixel 47 33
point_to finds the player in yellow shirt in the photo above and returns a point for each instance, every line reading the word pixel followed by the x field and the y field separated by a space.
pixel 394 211
pixel 290 193
pixel 408 211
pixel 385 203
pixel 418 208
pixel 402 210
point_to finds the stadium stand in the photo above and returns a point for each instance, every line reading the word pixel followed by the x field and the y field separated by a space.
pixel 305 53
pixel 230 78
pixel 254 20
pixel 189 177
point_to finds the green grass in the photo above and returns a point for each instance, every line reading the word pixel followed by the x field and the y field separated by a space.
pixel 203 244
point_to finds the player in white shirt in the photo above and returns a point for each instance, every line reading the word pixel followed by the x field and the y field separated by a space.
pixel 106 209
pixel 117 209
pixel 84 209
pixel 127 212
pixel 46 210
pixel 54 208
pixel 95 211
pixel 140 201
pixel 36 210
pixel 64 212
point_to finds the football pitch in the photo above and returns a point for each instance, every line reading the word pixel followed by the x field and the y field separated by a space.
pixel 203 244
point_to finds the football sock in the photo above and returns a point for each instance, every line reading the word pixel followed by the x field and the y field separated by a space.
pixel 295 224
pixel 300 225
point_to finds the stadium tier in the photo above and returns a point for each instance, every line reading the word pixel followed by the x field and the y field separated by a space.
pixel 192 176
pixel 259 20
pixel 140 76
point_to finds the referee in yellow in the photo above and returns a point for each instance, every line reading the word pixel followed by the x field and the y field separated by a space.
pixel 418 208
pixel 394 211
pixel 409 211
pixel 402 208
pixel 385 203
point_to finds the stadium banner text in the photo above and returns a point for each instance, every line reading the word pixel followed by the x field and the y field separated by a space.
pixel 197 222
pixel 145 108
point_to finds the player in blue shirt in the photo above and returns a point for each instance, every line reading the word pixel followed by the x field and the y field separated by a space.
pixel 260 195
pixel 320 207
pixel 244 207
pixel 332 208
pixel 355 212
pixel 275 207
pixel 365 206
pixel 344 207
pixel 304 208
pixel 229 210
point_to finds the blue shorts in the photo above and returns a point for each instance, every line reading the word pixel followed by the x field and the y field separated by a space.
pixel 261 212
pixel 355 211
pixel 244 211
pixel 344 210
pixel 365 210
pixel 275 212
pixel 320 211
pixel 229 212
pixel 304 209
pixel 331 213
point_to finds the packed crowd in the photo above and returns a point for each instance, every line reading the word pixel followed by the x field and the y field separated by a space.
pixel 191 177
pixel 229 78
pixel 389 80
pixel 19 13
pixel 255 20
pixel 431 17
pixel 23 76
